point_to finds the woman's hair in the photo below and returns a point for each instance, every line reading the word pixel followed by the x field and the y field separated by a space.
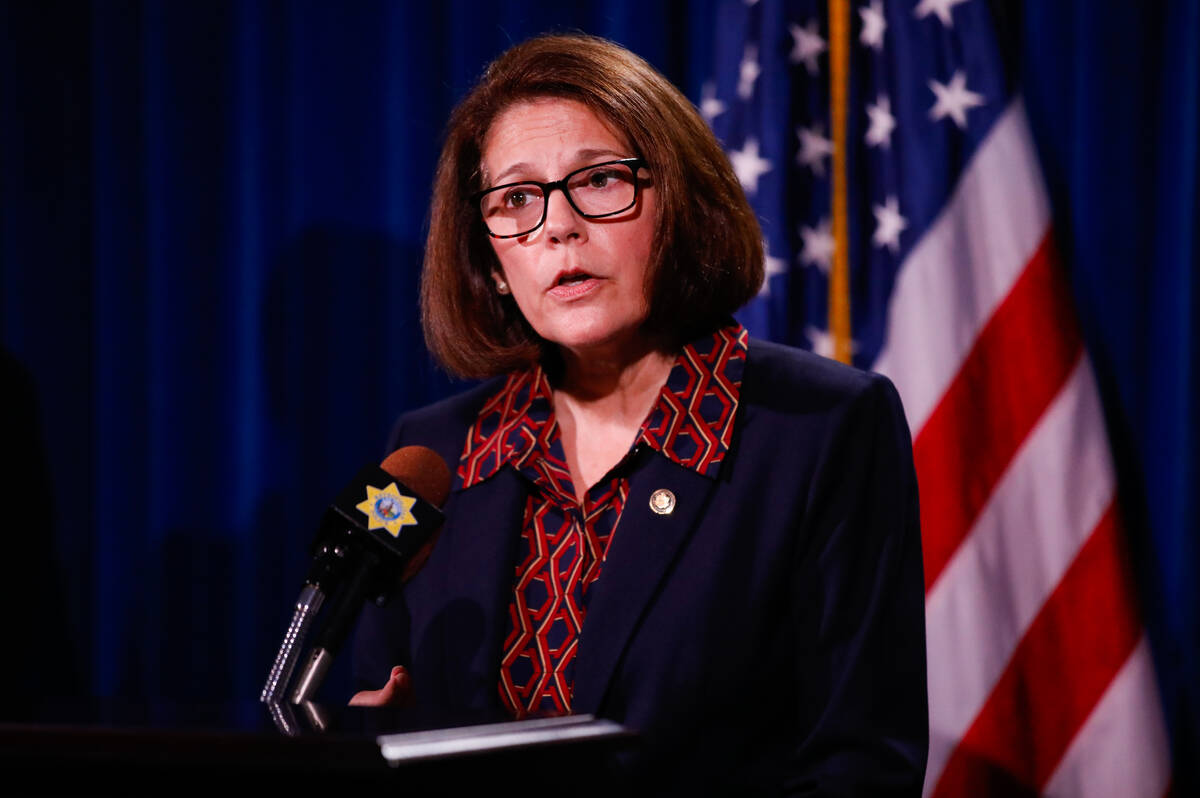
pixel 706 260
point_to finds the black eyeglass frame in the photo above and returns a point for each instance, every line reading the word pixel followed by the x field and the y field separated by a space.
pixel 633 163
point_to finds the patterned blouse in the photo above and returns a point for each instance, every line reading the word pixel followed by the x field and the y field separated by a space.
pixel 564 543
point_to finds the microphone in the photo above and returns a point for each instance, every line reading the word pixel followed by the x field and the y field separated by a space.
pixel 381 526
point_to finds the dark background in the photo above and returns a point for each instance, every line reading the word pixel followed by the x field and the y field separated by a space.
pixel 211 224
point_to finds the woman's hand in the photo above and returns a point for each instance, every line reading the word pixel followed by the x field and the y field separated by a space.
pixel 396 693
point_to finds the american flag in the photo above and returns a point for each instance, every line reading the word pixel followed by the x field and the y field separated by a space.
pixel 907 227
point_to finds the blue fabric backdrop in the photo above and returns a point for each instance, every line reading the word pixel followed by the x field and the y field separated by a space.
pixel 211 221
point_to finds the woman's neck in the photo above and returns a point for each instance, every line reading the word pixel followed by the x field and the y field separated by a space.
pixel 600 404
pixel 614 382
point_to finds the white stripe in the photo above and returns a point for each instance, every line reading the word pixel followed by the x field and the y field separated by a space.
pixel 964 265
pixel 1121 751
pixel 1044 507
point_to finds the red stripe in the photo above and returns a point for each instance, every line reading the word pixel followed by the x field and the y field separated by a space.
pixel 1069 655
pixel 1017 366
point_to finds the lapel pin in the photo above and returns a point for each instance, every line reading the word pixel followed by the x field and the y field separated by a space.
pixel 662 501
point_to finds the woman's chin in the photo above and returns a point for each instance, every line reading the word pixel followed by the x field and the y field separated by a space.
pixel 585 341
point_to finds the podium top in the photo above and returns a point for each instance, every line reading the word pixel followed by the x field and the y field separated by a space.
pixel 498 737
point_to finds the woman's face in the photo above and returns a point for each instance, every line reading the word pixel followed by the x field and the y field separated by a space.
pixel 580 283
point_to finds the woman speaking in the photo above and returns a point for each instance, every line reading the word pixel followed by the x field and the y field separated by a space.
pixel 710 539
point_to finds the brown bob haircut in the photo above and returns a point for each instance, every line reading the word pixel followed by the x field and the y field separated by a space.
pixel 706 260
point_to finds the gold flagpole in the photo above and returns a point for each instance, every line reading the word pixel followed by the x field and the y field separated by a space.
pixel 839 82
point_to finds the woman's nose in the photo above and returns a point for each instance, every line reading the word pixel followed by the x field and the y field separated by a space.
pixel 562 222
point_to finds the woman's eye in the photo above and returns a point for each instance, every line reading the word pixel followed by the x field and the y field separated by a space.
pixel 516 198
pixel 599 179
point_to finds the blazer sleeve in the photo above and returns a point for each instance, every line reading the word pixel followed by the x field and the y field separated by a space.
pixel 858 597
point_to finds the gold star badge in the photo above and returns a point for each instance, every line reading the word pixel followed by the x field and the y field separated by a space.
pixel 387 509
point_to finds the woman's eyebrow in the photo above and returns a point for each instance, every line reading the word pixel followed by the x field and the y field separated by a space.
pixel 606 153
pixel 580 157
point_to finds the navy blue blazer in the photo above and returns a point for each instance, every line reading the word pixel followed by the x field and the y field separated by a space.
pixel 766 636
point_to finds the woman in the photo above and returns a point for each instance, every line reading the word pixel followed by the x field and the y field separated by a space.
pixel 711 540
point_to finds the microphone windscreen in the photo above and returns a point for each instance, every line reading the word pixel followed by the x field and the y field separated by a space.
pixel 425 473
pixel 422 470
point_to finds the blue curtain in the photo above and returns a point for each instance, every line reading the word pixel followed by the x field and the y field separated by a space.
pixel 211 221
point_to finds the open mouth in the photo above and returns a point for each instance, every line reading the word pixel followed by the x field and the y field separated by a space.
pixel 574 278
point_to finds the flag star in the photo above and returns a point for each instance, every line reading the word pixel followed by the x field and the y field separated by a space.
pixel 940 7
pixel 888 224
pixel 771 264
pixel 807 46
pixel 822 341
pixel 771 267
pixel 710 106
pixel 882 123
pixel 873 25
pixel 953 99
pixel 814 149
pixel 748 165
pixel 748 72
pixel 818 245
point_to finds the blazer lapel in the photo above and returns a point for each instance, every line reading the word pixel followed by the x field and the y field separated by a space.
pixel 480 575
pixel 641 554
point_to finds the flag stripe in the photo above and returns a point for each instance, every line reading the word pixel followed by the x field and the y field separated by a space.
pixel 1018 364
pixel 964 266
pixel 1121 751
pixel 1057 674
pixel 993 588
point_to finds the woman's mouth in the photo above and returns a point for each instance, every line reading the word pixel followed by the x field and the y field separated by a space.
pixel 574 284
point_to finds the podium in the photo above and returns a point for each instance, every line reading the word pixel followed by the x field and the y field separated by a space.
pixel 489 759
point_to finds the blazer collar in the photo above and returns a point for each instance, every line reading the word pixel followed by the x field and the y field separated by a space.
pixel 479 573
pixel 640 556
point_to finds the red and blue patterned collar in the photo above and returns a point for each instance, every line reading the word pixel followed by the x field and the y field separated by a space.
pixel 691 422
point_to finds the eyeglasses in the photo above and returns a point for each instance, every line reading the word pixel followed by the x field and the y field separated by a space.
pixel 596 191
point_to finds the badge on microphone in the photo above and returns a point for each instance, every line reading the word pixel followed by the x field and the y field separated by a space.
pixel 387 509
